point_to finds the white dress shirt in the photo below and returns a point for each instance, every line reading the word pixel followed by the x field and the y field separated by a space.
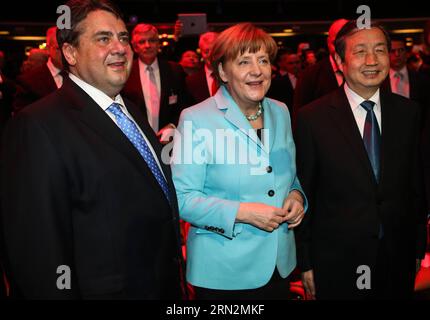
pixel 104 102
pixel 400 84
pixel 153 111
pixel 55 72
pixel 359 112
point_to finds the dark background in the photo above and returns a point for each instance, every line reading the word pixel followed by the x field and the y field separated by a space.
pixel 308 18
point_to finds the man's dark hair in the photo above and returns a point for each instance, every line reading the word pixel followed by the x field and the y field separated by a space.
pixel 79 10
pixel 349 29
pixel 398 38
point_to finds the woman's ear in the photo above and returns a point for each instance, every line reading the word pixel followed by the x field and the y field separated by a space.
pixel 222 73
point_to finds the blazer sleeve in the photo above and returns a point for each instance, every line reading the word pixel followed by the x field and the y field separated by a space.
pixel 35 211
pixel 202 210
pixel 306 160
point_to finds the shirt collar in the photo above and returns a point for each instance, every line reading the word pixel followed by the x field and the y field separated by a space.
pixel 403 71
pixel 144 66
pixel 101 98
pixel 355 100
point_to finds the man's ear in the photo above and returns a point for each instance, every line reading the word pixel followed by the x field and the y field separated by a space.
pixel 338 61
pixel 134 46
pixel 222 74
pixel 69 52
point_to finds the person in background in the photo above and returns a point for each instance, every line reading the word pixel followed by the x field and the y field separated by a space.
pixel 190 62
pixel 157 86
pixel 406 82
pixel 321 78
pixel 285 80
pixel 203 84
pixel 242 215
pixel 40 81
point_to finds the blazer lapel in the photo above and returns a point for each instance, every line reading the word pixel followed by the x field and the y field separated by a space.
pixel 269 125
pixel 343 117
pixel 235 116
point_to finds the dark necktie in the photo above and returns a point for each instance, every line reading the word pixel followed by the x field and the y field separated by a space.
pixel 131 131
pixel 372 137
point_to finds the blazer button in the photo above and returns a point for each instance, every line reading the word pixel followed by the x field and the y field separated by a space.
pixel 271 193
pixel 221 230
pixel 269 169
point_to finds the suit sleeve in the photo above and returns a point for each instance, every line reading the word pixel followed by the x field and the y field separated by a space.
pixel 303 93
pixel 425 210
pixel 23 97
pixel 195 206
pixel 35 211
pixel 306 172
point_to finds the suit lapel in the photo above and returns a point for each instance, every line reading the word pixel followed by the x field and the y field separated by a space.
pixel 142 122
pixel 164 86
pixel 413 86
pixel 87 111
pixel 389 119
pixel 164 83
pixel 343 117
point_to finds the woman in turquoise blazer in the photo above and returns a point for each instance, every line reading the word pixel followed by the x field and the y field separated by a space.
pixel 235 176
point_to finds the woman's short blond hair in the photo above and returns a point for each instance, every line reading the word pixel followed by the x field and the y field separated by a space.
pixel 238 39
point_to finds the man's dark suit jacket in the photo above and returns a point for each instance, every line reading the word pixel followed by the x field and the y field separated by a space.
pixel 197 86
pixel 281 89
pixel 172 79
pixel 346 204
pixel 7 92
pixel 76 192
pixel 419 85
pixel 315 82
pixel 32 86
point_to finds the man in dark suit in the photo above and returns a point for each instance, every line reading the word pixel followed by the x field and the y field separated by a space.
pixel 321 78
pixel 401 80
pixel 357 160
pixel 155 85
pixel 41 81
pixel 202 84
pixel 89 207
pixel 285 80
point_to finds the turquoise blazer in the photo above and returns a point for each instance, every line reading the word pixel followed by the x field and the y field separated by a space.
pixel 213 177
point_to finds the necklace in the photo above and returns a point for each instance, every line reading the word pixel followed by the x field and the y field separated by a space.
pixel 254 117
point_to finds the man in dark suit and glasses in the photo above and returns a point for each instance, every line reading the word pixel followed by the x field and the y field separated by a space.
pixel 83 184
pixel 357 159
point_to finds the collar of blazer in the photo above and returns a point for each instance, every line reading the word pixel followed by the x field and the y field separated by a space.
pixel 225 102
pixel 96 119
